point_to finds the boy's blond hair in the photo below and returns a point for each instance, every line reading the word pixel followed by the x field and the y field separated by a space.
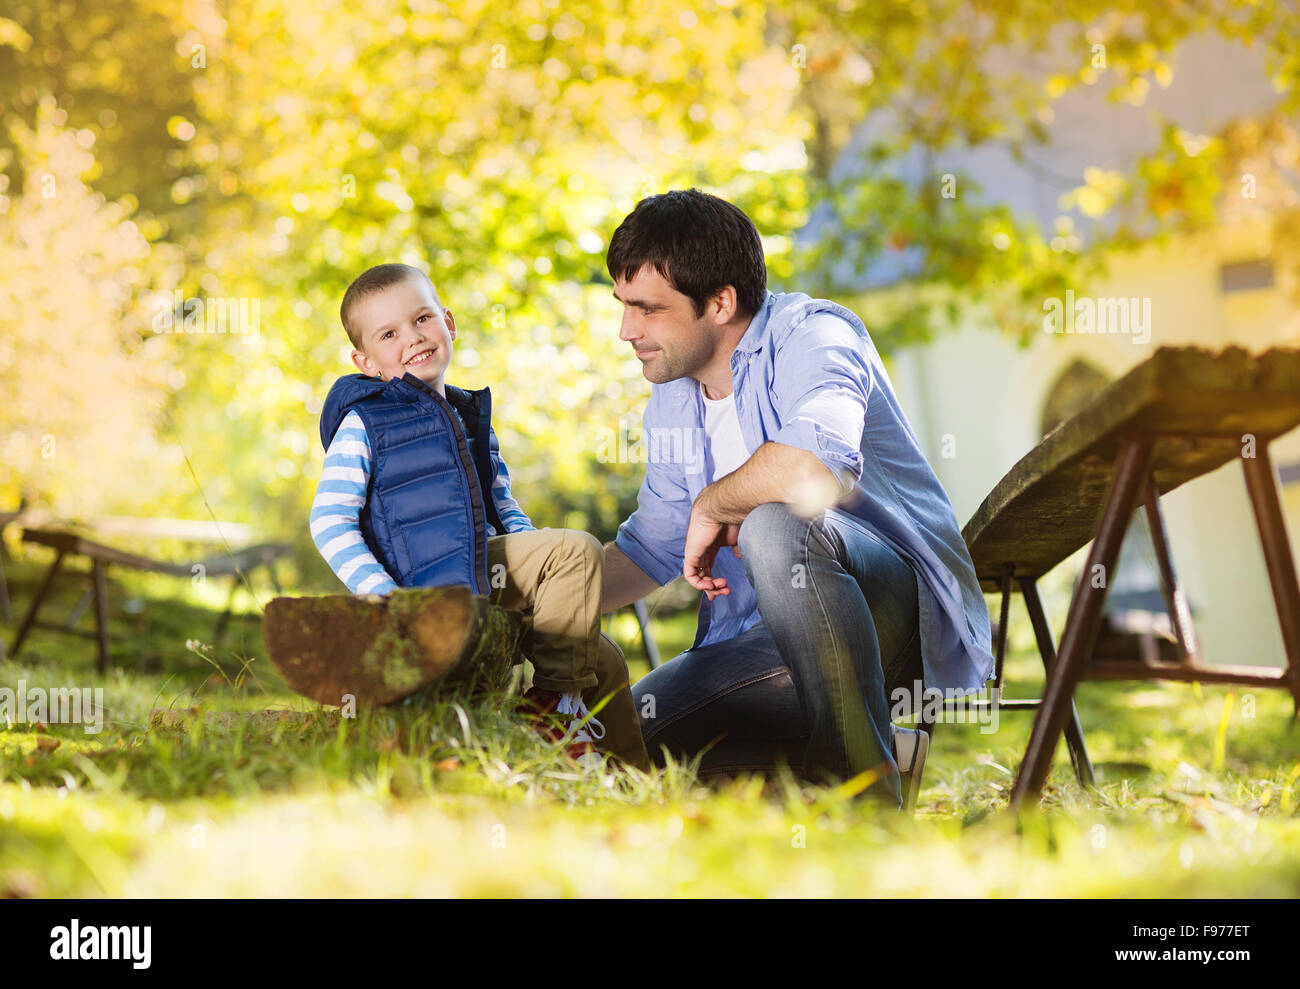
pixel 373 280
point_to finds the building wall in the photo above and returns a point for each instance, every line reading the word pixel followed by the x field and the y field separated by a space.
pixel 985 395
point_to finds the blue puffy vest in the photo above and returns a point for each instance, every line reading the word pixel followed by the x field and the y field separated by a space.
pixel 429 498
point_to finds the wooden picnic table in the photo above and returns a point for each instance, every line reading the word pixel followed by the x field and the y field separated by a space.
pixel 69 542
pixel 1177 416
pixel 6 519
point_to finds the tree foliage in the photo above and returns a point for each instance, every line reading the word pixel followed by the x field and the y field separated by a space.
pixel 83 388
pixel 270 150
pixel 951 76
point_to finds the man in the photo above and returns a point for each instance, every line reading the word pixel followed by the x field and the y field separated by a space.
pixel 828 554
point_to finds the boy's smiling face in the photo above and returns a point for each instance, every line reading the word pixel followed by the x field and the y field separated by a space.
pixel 404 329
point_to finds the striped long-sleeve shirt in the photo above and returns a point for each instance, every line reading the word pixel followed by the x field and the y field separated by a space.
pixel 341 495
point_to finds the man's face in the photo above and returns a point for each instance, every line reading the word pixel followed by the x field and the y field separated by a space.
pixel 404 329
pixel 660 323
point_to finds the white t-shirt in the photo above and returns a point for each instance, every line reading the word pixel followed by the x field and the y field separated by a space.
pixel 722 430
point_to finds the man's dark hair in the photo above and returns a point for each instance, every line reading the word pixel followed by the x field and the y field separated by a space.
pixel 373 280
pixel 697 242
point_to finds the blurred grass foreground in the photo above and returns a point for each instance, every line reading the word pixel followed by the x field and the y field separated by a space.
pixel 1197 795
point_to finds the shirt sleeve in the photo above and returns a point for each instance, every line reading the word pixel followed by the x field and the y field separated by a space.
pixel 512 516
pixel 336 511
pixel 654 536
pixel 823 382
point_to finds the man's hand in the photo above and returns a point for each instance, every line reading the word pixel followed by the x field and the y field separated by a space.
pixel 775 472
pixel 704 537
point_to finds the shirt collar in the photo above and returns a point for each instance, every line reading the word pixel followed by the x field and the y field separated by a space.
pixel 684 390
pixel 755 336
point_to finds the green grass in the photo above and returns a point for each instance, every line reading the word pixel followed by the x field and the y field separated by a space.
pixel 1195 798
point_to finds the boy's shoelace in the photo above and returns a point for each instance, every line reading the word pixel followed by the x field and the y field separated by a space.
pixel 573 704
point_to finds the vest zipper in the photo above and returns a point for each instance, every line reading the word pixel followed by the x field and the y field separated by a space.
pixel 477 513
pixel 484 462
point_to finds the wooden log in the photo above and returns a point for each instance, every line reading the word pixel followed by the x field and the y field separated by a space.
pixel 161 718
pixel 382 649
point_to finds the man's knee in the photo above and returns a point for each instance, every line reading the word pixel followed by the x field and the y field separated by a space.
pixel 773 535
pixel 765 522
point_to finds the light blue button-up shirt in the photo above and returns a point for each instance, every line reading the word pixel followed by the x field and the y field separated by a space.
pixel 806 374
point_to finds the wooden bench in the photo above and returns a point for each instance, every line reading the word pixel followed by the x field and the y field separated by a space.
pixel 235 565
pixel 6 609
pixel 1177 416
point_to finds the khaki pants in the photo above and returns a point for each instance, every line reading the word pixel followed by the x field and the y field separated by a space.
pixel 555 575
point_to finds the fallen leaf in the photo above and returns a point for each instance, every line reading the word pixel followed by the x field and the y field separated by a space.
pixel 19 886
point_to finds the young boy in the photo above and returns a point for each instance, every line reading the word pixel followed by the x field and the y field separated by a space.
pixel 415 493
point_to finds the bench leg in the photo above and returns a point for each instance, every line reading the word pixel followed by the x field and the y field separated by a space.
pixel 1261 483
pixel 647 636
pixel 1047 650
pixel 220 632
pixel 76 613
pixel 1004 617
pixel 1180 613
pixel 100 576
pixel 6 609
pixel 1132 469
pixel 35 606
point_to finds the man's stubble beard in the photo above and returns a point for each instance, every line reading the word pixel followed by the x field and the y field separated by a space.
pixel 682 364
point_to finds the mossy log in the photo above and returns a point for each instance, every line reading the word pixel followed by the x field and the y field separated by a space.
pixel 382 649
pixel 167 718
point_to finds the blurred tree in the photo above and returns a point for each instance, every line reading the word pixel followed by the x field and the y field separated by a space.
pixel 272 149
pixel 83 387
pixel 496 143
pixel 116 70
pixel 950 75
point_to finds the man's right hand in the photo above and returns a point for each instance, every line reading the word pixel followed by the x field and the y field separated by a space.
pixel 704 537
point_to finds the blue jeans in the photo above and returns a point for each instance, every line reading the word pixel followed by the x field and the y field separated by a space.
pixel 806 686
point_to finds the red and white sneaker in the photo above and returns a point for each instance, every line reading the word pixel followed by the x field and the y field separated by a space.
pixel 565 720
